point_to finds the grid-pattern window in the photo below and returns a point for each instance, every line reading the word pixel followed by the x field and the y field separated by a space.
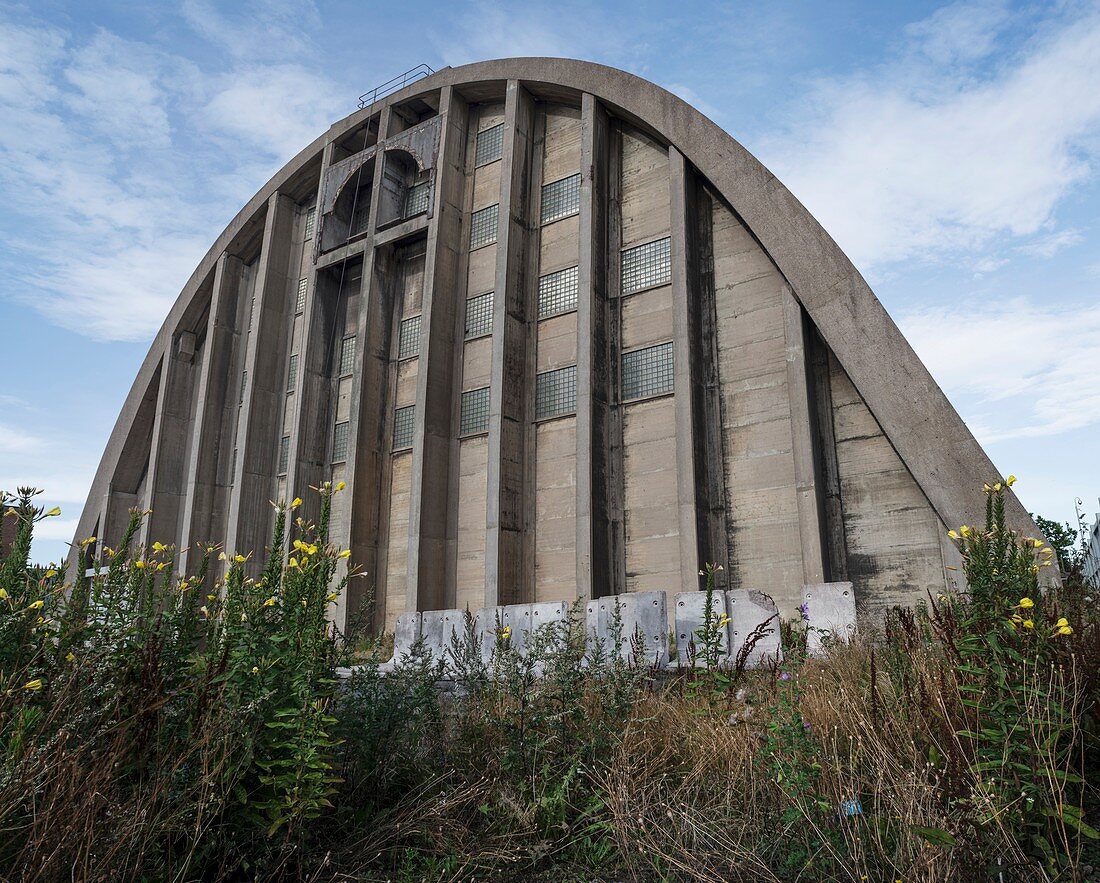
pixel 284 454
pixel 490 145
pixel 347 355
pixel 646 266
pixel 475 411
pixel 340 442
pixel 556 393
pixel 560 199
pixel 558 292
pixel 311 222
pixel 292 373
pixel 300 303
pixel 408 340
pixel 483 227
pixel 416 199
pixel 361 216
pixel 403 427
pixel 647 372
pixel 479 315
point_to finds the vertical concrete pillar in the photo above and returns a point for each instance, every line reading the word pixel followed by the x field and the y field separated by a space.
pixel 507 580
pixel 433 428
pixel 821 403
pixel 249 522
pixel 600 556
pixel 807 486
pixel 206 437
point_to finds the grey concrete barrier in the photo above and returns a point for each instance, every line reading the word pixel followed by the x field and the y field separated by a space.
pixel 643 615
pixel 689 613
pixel 748 609
pixel 831 609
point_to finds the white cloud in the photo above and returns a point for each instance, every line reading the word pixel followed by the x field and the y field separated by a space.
pixel 1014 369
pixel 1050 245
pixel 923 157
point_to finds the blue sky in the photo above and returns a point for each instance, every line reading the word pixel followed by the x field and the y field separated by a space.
pixel 952 151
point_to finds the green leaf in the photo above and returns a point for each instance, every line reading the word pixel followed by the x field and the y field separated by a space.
pixel 935 836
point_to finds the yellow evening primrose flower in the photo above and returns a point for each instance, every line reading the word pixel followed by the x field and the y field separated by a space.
pixel 88 541
pixel 255 670
pixel 1011 480
pixel 139 564
pixel 211 597
pixel 331 597
pixel 56 510
pixel 952 534
pixel 293 563
pixel 296 503
pixel 1065 630
pixel 36 684
pixel 1026 603
pixel 221 556
pixel 162 565
pixel 997 486
pixel 1029 624
pixel 159 547
pixel 1061 623
pixel 240 559
pixel 184 584
pixel 340 485
pixel 69 657
pixel 270 602
pixel 346 553
pixel 51 573
pixel 36 605
pixel 3 595
pixel 965 530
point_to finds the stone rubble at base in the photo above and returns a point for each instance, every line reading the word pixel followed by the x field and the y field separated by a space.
pixel 641 633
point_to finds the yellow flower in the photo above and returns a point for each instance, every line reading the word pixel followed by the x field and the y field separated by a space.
pixel 293 563
pixel 346 553
pixel 1011 480
pixel 221 556
pixel 162 565
pixel 312 548
pixel 270 602
pixel 987 488
pixel 240 559
pixel 211 597
pixel 51 573
pixel 204 611
pixel 184 585
pixel 1026 603
pixel 340 485
pixel 69 657
pixel 297 502
pixel 139 564
pixel 159 547
pixel 1037 543
pixel 88 541
pixel 255 670
pixel 298 544
pixel 965 530
pixel 997 487
pixel 506 632
pixel 952 534
pixel 3 595
pixel 1065 630
pixel 56 510
pixel 331 597
pixel 36 684
pixel 1029 624
pixel 36 605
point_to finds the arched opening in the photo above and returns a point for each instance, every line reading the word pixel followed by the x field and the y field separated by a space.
pixel 350 213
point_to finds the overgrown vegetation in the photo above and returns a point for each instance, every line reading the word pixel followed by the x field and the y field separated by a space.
pixel 156 726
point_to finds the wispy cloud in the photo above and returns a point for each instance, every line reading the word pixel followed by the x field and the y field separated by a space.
pixel 1018 369
pixel 928 155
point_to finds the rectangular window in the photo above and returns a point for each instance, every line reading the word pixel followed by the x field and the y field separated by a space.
pixel 284 454
pixel 292 373
pixel 300 303
pixel 244 383
pixel 556 393
pixel 311 221
pixel 479 315
pixel 340 442
pixel 647 372
pixel 483 227
pixel 408 343
pixel 558 292
pixel 251 311
pixel 403 427
pixel 475 411
pixel 416 199
pixel 347 355
pixel 560 199
pixel 647 266
pixel 490 145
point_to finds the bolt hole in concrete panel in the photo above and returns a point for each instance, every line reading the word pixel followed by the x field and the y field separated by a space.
pixel 748 609
pixel 831 609
pixel 691 608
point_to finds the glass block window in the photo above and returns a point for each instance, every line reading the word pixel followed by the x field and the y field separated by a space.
pixel 347 355
pixel 300 303
pixel 475 411
pixel 556 393
pixel 558 292
pixel 646 266
pixel 479 315
pixel 416 199
pixel 403 427
pixel 292 373
pixel 340 442
pixel 311 222
pixel 560 199
pixel 408 343
pixel 647 372
pixel 490 145
pixel 483 227
pixel 284 454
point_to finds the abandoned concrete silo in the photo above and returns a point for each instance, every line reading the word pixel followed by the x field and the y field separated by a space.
pixel 562 337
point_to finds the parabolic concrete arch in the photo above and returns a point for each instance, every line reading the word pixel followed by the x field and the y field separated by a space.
pixel 567 338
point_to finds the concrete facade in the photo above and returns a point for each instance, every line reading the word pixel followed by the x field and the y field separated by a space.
pixel 563 338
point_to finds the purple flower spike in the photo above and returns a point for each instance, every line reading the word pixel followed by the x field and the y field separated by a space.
pixel 804 609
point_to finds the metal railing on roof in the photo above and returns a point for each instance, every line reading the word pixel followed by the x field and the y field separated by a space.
pixel 399 82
